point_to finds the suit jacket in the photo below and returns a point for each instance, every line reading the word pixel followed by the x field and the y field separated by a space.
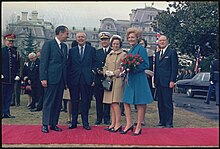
pixel 33 75
pixel 77 67
pixel 53 62
pixel 214 70
pixel 166 69
pixel 101 57
pixel 10 64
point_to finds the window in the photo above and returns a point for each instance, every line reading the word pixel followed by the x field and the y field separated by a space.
pixel 108 26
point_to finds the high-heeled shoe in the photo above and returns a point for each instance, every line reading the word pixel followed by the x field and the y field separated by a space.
pixel 136 134
pixel 131 128
pixel 119 129
pixel 108 128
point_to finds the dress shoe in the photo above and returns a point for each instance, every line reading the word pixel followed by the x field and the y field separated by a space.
pixel 35 110
pixel 108 128
pixel 55 128
pixel 12 104
pixel 18 105
pixel 168 126
pixel 136 134
pixel 45 129
pixel 160 125
pixel 206 102
pixel 125 131
pixel 98 122
pixel 71 126
pixel 3 115
pixel 8 116
pixel 122 114
pixel 107 123
pixel 116 130
pixel 87 127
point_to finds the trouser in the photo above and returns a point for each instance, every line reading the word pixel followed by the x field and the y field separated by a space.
pixel 7 90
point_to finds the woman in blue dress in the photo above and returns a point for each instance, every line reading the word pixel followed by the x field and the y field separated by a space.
pixel 137 90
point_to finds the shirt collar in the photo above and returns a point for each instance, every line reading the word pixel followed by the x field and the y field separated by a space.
pixel 58 41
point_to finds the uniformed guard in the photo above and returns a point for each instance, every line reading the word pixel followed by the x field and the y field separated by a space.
pixel 102 110
pixel 10 73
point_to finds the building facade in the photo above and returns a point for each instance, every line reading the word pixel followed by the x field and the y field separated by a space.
pixel 42 30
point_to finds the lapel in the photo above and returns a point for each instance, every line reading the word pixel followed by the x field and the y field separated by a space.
pixel 165 54
pixel 58 48
pixel 86 51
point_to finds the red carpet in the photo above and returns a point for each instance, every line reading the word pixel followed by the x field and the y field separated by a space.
pixel 31 134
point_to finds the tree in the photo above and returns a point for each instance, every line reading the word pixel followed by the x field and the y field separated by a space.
pixel 29 45
pixel 192 24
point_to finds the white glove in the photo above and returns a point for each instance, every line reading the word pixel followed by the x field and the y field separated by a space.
pixel 109 73
pixel 2 76
pixel 211 82
pixel 25 78
pixel 17 78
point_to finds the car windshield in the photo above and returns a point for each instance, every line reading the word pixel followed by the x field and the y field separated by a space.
pixel 202 76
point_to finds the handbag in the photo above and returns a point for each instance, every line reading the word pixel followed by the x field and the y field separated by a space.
pixel 107 84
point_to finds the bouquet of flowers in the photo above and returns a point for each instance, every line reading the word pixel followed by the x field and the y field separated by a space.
pixel 130 63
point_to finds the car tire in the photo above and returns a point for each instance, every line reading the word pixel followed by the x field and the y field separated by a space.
pixel 189 92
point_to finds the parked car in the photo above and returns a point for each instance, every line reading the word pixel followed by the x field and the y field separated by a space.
pixel 198 85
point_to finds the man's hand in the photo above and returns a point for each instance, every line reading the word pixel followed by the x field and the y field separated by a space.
pixel 211 82
pixel 172 84
pixel 17 78
pixel 2 77
pixel 44 83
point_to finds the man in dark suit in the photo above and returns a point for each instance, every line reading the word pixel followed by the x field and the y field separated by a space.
pixel 102 110
pixel 166 68
pixel 53 77
pixel 10 73
pixel 81 64
pixel 34 80
pixel 214 80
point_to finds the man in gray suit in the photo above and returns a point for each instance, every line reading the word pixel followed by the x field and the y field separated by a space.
pixel 53 77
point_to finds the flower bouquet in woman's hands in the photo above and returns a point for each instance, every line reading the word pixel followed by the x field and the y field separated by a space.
pixel 130 63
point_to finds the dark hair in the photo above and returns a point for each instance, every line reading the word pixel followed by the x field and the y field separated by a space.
pixel 116 38
pixel 61 28
pixel 145 42
pixel 74 43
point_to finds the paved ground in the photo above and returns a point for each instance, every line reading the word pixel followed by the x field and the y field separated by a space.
pixel 197 105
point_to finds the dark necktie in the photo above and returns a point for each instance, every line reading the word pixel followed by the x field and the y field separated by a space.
pixel 81 53
pixel 32 66
pixel 61 47
pixel 161 55
pixel 105 50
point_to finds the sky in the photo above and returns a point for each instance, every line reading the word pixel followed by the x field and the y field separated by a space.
pixel 79 14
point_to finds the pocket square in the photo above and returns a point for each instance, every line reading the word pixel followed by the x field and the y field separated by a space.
pixel 166 57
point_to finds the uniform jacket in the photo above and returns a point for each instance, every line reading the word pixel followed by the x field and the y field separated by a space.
pixel 77 67
pixel 166 69
pixel 10 64
pixel 53 62
pixel 113 61
pixel 101 57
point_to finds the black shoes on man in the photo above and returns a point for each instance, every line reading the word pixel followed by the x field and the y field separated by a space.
pixel 46 130
pixel 7 116
pixel 164 126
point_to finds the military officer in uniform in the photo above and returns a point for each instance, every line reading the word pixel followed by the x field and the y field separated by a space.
pixel 10 73
pixel 102 110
